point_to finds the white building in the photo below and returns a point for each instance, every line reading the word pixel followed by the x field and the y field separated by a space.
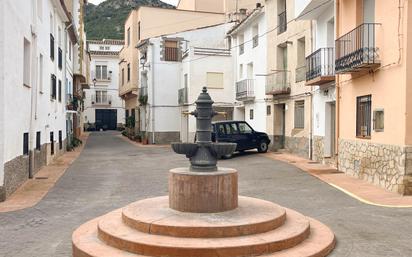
pixel 250 67
pixel 175 69
pixel 103 108
pixel 320 74
pixel 32 97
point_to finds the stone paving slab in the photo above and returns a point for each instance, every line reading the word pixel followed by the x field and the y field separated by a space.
pixel 357 188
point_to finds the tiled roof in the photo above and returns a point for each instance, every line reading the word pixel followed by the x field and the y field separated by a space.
pixel 107 53
pixel 107 42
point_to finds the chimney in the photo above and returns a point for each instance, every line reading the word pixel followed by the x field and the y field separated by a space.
pixel 258 5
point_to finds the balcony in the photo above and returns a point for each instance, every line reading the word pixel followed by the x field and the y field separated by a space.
pixel 320 67
pixel 278 83
pixel 356 51
pixel 282 23
pixel 183 96
pixel 245 90
pixel 101 100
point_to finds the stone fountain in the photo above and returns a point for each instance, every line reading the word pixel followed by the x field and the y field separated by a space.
pixel 203 216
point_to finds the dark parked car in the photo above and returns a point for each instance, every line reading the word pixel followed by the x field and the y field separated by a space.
pixel 242 133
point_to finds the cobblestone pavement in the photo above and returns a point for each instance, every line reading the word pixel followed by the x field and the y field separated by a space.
pixel 111 173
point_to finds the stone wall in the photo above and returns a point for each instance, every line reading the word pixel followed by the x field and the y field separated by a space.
pixel 163 138
pixel 318 149
pixel 298 146
pixel 388 166
pixel 276 142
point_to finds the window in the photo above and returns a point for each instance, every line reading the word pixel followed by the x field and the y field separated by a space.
pixel 60 140
pixel 220 129
pixel 240 71
pixel 26 144
pixel 138 31
pixel 171 51
pixel 53 87
pixel 128 72
pixel 101 48
pixel 231 128
pixel 101 72
pixel 51 143
pixel 300 74
pixel 378 120
pixel 241 44
pixel 107 48
pixel 26 63
pixel 101 97
pixel 127 114
pixel 268 110
pixel 128 37
pixel 214 79
pixel 51 47
pixel 244 128
pixel 70 50
pixel 122 76
pixel 60 91
pixel 60 58
pixel 300 114
pixel 251 114
pixel 363 116
pixel 38 140
pixel 185 80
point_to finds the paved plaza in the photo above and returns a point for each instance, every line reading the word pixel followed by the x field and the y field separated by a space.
pixel 111 172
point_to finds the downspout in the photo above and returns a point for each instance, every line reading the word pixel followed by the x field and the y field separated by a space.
pixel 153 93
pixel 337 86
pixel 311 99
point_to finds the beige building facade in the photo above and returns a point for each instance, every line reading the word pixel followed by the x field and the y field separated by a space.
pixel 373 54
pixel 144 23
pixel 289 100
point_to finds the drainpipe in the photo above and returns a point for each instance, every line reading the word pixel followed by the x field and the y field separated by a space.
pixel 337 88
pixel 311 97
pixel 153 92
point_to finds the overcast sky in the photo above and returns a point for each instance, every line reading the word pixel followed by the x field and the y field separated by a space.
pixel 174 2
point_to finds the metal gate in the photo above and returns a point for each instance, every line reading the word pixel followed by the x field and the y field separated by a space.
pixel 106 119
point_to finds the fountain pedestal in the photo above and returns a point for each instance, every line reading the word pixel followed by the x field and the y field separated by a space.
pixel 203 192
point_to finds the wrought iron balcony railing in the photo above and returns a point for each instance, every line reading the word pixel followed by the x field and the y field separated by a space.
pixel 101 99
pixel 320 66
pixel 282 23
pixel 278 83
pixel 245 90
pixel 183 96
pixel 357 50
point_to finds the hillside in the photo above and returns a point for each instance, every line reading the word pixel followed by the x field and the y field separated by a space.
pixel 106 20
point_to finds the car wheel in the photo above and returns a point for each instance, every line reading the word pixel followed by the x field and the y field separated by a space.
pixel 262 147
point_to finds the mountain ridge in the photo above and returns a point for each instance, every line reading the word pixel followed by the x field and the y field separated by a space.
pixel 106 20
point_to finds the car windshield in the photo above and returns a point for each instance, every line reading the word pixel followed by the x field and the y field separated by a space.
pixel 244 128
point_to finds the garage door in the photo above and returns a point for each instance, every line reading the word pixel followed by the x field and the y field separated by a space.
pixel 106 119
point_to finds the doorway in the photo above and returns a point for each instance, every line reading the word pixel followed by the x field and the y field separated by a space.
pixel 330 128
pixel 106 119
pixel 279 113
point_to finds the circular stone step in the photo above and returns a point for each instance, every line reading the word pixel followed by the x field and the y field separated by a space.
pixel 115 233
pixel 253 216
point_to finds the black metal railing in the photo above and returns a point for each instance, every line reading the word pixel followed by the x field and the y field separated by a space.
pixel 183 96
pixel 255 41
pixel 282 23
pixel 171 54
pixel 320 63
pixel 278 83
pixel 357 49
pixel 245 89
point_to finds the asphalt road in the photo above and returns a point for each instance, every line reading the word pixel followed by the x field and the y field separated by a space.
pixel 110 173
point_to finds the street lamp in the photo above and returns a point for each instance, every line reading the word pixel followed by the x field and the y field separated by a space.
pixel 143 62
pixel 94 82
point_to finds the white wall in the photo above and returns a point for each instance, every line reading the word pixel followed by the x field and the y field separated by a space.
pixel 256 56
pixel 2 75
pixel 17 18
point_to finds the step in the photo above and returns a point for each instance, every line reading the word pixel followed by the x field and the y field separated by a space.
pixel 115 233
pixel 86 244
pixel 253 216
